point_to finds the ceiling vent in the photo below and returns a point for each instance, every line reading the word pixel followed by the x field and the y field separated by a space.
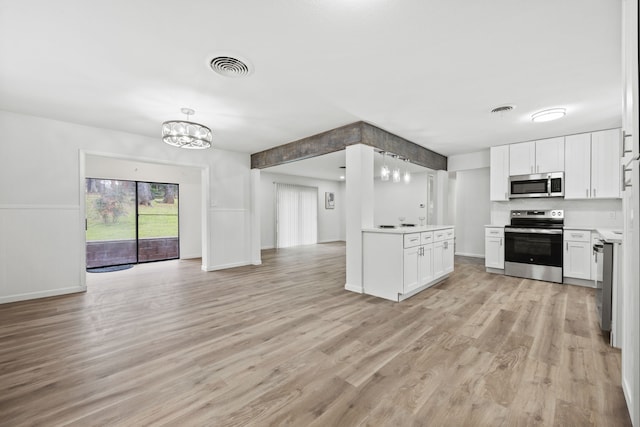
pixel 229 66
pixel 503 109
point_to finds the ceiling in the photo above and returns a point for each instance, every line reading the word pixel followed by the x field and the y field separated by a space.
pixel 428 71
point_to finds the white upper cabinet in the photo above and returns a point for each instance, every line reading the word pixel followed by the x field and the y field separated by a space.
pixel 577 172
pixel 592 168
pixel 522 158
pixel 499 173
pixel 605 164
pixel 542 156
pixel 550 155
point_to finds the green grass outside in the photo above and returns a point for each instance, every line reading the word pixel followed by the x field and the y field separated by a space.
pixel 158 220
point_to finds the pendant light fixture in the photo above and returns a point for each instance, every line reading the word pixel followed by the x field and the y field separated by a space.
pixel 186 134
pixel 407 174
pixel 396 170
pixel 384 170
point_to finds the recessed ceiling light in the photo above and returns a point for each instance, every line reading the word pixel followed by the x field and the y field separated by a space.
pixel 341 176
pixel 548 115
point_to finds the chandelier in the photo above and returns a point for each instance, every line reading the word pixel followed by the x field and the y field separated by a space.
pixel 186 134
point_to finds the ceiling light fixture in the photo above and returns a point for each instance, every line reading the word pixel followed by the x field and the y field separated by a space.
pixel 548 115
pixel 186 134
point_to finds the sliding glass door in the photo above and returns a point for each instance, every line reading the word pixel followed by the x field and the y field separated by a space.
pixel 129 222
pixel 157 221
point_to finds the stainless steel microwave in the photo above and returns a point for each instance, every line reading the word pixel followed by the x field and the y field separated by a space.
pixel 538 185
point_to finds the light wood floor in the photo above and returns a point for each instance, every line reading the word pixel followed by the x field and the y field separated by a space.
pixel 285 344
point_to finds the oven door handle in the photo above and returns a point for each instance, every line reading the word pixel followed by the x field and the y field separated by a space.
pixel 533 230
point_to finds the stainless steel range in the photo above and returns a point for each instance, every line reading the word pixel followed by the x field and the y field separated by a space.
pixel 533 245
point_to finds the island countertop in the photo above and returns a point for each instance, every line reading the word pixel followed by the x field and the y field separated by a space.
pixel 406 230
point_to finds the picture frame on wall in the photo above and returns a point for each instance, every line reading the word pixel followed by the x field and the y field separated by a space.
pixel 329 200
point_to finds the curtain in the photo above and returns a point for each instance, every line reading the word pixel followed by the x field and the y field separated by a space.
pixel 296 215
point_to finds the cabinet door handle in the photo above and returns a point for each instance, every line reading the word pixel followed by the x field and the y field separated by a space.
pixel 624 145
pixel 531 168
pixel 505 196
pixel 594 192
pixel 500 242
pixel 624 178
pixel 566 246
pixel 587 193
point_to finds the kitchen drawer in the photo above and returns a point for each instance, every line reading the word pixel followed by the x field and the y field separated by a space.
pixel 411 240
pixel 426 237
pixel 441 235
pixel 577 235
pixel 494 232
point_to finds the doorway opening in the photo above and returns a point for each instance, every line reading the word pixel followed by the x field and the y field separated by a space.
pixel 130 222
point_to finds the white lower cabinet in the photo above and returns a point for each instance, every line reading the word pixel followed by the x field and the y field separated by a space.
pixel 494 247
pixel 577 256
pixel 397 265
pixel 418 267
pixel 425 264
pixel 411 274
pixel 447 256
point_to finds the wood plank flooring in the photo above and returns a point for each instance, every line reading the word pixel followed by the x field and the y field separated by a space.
pixel 284 344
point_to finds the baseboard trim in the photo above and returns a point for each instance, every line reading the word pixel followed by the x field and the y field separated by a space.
pixel 578 282
pixel 264 248
pixel 470 255
pixel 495 270
pixel 225 266
pixel 192 256
pixel 632 406
pixel 42 294
pixel 352 288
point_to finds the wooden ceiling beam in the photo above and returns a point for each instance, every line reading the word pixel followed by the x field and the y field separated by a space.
pixel 339 138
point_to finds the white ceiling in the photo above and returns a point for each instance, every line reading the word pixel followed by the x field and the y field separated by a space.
pixel 428 71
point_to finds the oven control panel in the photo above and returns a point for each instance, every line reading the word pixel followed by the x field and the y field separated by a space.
pixel 553 214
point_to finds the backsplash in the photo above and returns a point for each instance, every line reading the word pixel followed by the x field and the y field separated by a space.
pixel 577 213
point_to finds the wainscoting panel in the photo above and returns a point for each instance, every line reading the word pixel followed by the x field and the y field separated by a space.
pixel 39 251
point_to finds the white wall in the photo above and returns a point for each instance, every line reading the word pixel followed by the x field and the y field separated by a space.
pixel 42 193
pixel 473 210
pixel 190 189
pixel 392 200
pixel 476 160
pixel 331 222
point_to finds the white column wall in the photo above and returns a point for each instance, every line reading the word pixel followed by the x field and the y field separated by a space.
pixel 359 209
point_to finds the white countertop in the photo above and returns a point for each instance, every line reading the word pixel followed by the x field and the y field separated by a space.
pixel 493 225
pixel 406 230
pixel 610 235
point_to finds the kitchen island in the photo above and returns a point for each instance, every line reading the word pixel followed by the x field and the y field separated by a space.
pixel 399 262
